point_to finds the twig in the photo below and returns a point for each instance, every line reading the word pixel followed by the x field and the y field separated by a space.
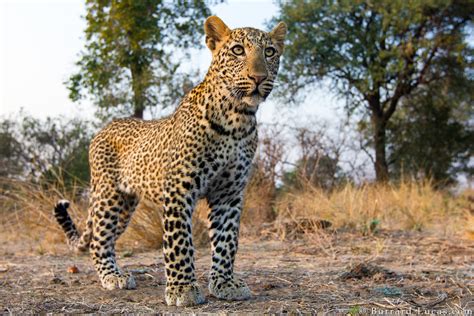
pixel 464 287
pixel 389 306
pixel 440 299
pixel 281 279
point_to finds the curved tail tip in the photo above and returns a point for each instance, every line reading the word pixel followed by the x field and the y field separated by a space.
pixel 63 204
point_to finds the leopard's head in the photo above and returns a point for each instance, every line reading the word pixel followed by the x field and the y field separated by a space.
pixel 246 60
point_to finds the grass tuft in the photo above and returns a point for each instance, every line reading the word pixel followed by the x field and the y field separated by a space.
pixel 371 207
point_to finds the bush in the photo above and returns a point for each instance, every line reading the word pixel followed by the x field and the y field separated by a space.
pixel 45 150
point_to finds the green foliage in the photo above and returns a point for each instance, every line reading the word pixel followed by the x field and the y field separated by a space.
pixel 10 150
pixel 372 227
pixel 134 50
pixel 375 53
pixel 54 149
pixel 369 47
pixel 432 135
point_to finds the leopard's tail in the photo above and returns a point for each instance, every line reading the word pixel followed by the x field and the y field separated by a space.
pixel 75 241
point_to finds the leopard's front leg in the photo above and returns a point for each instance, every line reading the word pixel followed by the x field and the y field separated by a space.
pixel 224 220
pixel 181 285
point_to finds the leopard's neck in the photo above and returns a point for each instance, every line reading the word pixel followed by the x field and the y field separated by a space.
pixel 224 113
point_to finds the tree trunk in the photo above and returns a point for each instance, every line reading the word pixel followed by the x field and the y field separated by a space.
pixel 138 112
pixel 138 90
pixel 380 164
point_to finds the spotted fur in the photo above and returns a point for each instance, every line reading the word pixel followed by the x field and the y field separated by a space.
pixel 203 150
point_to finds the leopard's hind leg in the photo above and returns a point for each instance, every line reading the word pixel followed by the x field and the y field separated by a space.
pixel 130 204
pixel 112 214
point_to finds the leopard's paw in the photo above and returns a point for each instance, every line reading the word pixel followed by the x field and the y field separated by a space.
pixel 184 295
pixel 119 281
pixel 233 290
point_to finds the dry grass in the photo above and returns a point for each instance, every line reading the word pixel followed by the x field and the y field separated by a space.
pixel 370 207
pixel 27 212
pixel 365 209
pixel 258 206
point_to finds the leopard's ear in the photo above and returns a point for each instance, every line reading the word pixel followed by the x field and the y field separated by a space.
pixel 278 35
pixel 216 33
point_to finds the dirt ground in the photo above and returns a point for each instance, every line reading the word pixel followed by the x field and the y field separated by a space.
pixel 336 273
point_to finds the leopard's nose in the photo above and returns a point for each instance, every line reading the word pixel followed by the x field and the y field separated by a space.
pixel 258 78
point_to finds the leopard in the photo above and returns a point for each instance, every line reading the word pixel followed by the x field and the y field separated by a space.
pixel 203 150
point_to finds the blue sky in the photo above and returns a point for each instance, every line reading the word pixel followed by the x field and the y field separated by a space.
pixel 40 41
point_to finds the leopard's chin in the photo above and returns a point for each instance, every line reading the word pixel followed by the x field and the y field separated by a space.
pixel 253 100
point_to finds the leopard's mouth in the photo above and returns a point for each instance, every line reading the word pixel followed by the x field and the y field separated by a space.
pixel 256 93
pixel 250 97
pixel 253 99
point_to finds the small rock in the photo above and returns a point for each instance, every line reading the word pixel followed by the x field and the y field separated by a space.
pixel 72 269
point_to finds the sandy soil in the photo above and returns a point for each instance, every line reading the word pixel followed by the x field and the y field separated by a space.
pixel 331 272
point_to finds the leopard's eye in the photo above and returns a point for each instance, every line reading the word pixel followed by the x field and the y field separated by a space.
pixel 269 51
pixel 238 50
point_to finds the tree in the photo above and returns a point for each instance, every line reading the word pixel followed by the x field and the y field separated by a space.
pixel 431 135
pixel 134 50
pixel 376 53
